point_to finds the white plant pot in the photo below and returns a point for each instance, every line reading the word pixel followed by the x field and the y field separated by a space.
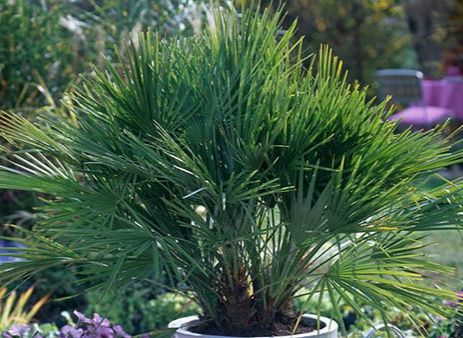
pixel 330 330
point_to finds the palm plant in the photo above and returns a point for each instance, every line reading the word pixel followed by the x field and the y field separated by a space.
pixel 222 162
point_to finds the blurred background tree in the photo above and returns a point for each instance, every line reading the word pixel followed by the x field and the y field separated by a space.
pixel 453 37
pixel 428 23
pixel 375 34
pixel 455 24
pixel 366 34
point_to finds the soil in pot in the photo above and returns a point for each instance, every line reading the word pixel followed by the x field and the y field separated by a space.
pixel 282 326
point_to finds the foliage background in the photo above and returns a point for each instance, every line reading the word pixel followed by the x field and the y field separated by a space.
pixel 367 34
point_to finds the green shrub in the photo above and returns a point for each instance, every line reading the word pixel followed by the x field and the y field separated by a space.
pixel 35 53
pixel 45 45
pixel 450 327
pixel 63 287
pixel 139 310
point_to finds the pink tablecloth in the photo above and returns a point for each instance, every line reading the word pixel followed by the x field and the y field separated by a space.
pixel 446 93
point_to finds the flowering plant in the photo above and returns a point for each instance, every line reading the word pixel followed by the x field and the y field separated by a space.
pixel 451 327
pixel 96 327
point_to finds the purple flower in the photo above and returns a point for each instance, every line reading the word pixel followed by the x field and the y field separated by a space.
pixel 69 331
pixel 455 302
pixel 18 330
pixel 104 332
pixel 100 321
pixel 120 333
pixel 81 318
pixel 97 327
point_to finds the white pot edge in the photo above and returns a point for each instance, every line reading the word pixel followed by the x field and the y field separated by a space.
pixel 329 331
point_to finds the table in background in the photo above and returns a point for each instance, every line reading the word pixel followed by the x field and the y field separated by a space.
pixel 445 93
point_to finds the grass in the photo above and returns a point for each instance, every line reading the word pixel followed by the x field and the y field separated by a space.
pixel 447 249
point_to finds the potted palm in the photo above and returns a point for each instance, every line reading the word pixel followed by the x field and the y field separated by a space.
pixel 221 163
